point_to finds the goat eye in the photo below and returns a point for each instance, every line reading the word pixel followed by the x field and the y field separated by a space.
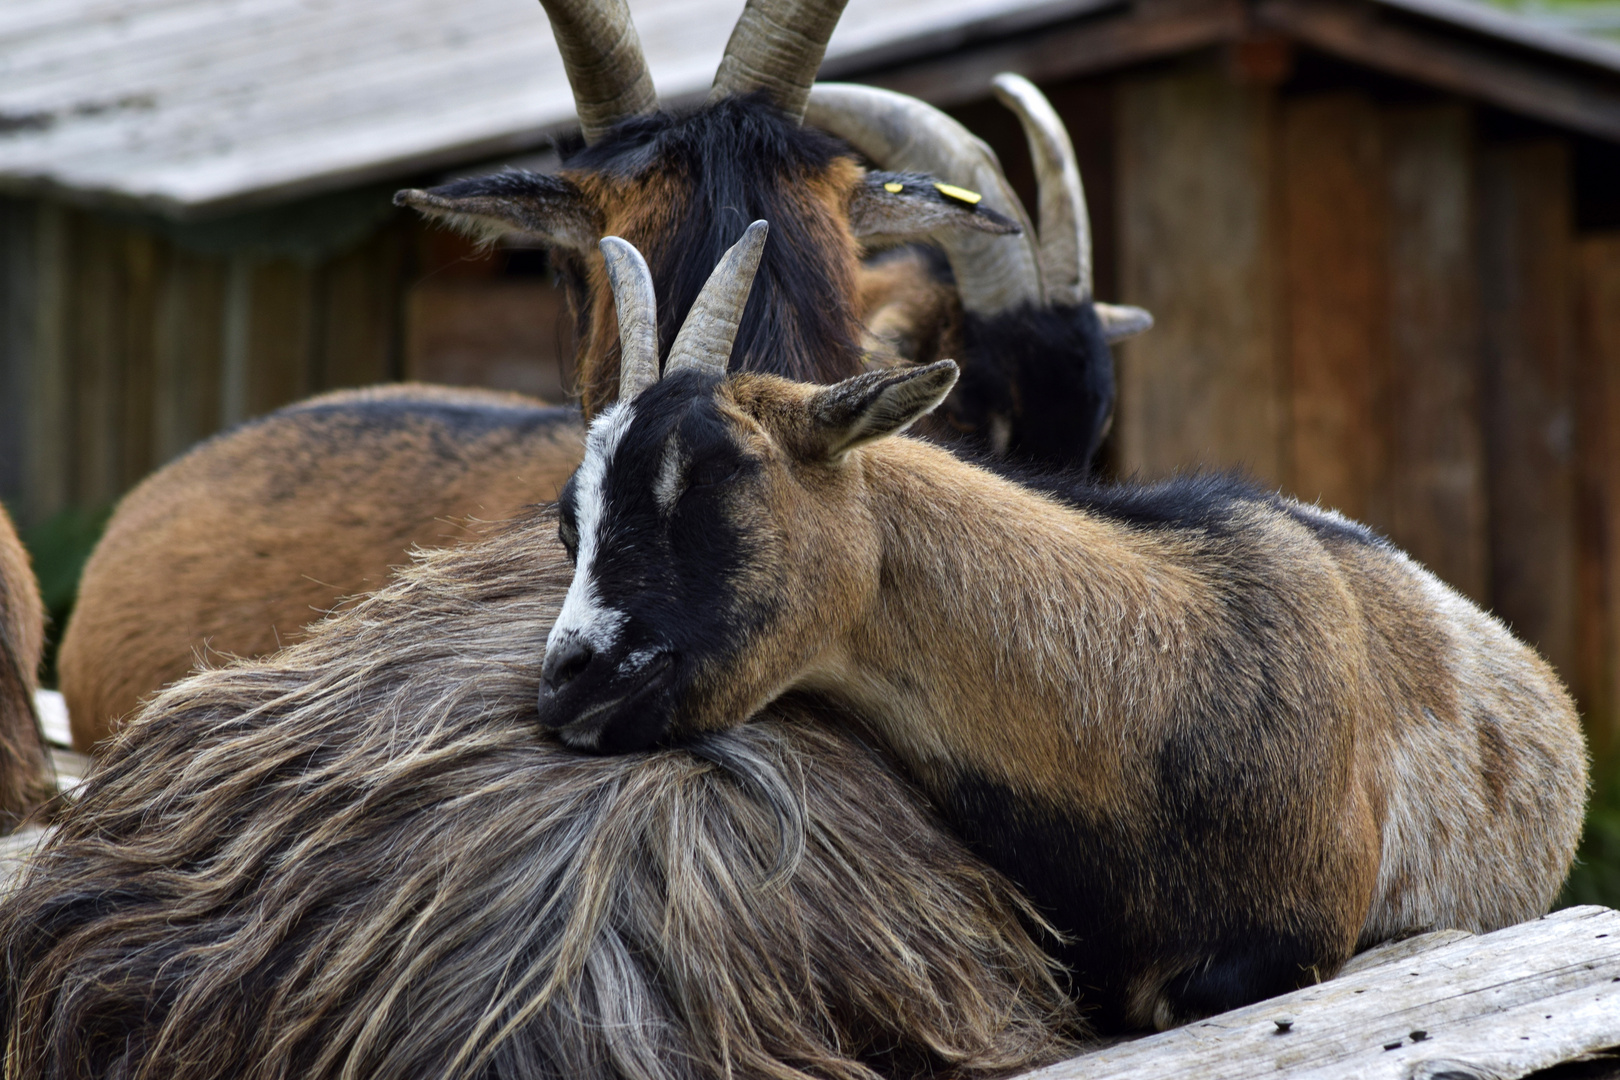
pixel 569 535
pixel 712 474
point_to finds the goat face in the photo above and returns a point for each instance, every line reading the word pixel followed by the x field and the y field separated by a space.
pixel 722 546
pixel 679 187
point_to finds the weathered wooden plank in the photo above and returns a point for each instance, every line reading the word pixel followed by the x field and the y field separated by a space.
pixel 94 359
pixel 1486 999
pixel 141 272
pixel 1437 474
pixel 1527 308
pixel 1567 96
pixel 280 335
pixel 46 474
pixel 511 335
pixel 1198 248
pixel 359 295
pixel 1335 266
pixel 188 347
pixel 1599 449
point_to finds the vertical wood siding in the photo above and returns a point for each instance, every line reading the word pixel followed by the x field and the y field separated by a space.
pixel 1414 334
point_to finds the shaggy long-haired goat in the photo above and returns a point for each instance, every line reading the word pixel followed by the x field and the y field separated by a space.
pixel 236 546
pixel 27 781
pixel 359 858
pixel 1218 737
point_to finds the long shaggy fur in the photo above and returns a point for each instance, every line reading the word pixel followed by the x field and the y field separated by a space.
pixel 360 858
pixel 27 781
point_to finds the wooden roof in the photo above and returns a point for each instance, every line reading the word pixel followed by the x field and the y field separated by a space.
pixel 191 107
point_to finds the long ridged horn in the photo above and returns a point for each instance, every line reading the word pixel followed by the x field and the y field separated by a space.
pixel 777 46
pixel 1065 244
pixel 704 343
pixel 602 55
pixel 993 273
pixel 637 306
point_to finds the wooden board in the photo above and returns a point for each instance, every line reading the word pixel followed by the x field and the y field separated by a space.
pixel 1527 318
pixel 1499 1005
pixel 1437 478
pixel 1197 248
pixel 1336 296
pixel 1599 395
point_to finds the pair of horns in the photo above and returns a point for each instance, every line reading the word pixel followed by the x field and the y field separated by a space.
pixel 993 273
pixel 705 338
pixel 776 46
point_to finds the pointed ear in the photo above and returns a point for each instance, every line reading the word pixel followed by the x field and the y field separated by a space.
pixel 900 208
pixel 879 403
pixel 488 207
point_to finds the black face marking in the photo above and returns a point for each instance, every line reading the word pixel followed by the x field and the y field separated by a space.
pixel 1092 878
pixel 665 574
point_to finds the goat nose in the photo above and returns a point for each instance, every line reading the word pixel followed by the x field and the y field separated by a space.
pixel 564 662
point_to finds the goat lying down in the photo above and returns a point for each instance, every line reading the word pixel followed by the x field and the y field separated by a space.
pixel 1218 737
pixel 360 857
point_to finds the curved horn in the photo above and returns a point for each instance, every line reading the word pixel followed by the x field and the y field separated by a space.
pixel 1065 227
pixel 993 273
pixel 704 343
pixel 638 315
pixel 777 46
pixel 602 55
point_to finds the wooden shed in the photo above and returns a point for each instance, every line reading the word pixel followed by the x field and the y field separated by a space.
pixel 1381 238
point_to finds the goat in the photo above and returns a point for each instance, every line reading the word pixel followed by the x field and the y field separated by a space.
pixel 356 858
pixel 238 544
pixel 27 779
pixel 1219 738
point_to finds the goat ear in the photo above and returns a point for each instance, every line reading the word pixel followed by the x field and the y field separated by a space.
pixel 879 403
pixel 488 207
pixel 890 208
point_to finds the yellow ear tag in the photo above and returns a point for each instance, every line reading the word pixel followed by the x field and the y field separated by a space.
pixel 893 188
pixel 951 191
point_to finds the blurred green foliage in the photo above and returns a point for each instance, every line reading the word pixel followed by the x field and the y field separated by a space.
pixel 59 546
pixel 1596 877
pixel 1593 18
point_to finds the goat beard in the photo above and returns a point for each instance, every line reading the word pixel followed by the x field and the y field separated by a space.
pixel 360 856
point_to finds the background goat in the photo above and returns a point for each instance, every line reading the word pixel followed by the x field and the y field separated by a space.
pixel 359 857
pixel 237 545
pixel 27 781
pixel 1218 737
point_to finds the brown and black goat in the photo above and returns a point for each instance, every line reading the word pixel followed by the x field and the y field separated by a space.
pixel 235 547
pixel 27 780
pixel 1218 737
pixel 358 858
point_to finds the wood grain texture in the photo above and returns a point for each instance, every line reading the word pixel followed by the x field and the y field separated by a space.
pixel 514 334
pixel 188 342
pixel 1498 1005
pixel 1198 249
pixel 1437 474
pixel 1527 307
pixel 1598 679
pixel 1337 317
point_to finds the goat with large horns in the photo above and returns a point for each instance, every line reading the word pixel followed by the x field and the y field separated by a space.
pixel 234 547
pixel 1220 738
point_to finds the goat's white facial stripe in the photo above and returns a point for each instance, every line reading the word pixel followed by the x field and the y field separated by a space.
pixel 583 615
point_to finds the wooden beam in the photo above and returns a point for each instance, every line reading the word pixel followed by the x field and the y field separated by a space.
pixel 1335 266
pixel 1557 91
pixel 1437 473
pixel 280 335
pixel 1527 308
pixel 187 351
pixel 1206 386
pixel 1598 261
pixel 1502 1005
pixel 1134 35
